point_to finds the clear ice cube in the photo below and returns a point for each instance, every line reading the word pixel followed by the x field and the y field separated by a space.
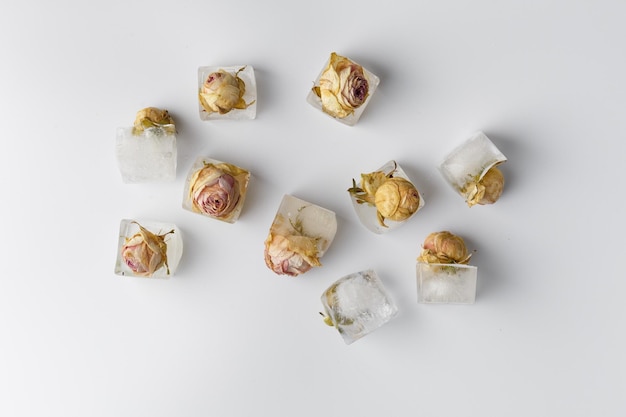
pixel 154 254
pixel 249 97
pixel 300 234
pixel 147 157
pixel 216 189
pixel 470 161
pixel 358 304
pixel 446 283
pixel 367 213
pixel 315 101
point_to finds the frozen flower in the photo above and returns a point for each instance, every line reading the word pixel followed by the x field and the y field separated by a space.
pixel 288 249
pixel 395 198
pixel 221 92
pixel 152 117
pixel 444 248
pixel 486 190
pixel 343 87
pixel 216 189
pixel 145 252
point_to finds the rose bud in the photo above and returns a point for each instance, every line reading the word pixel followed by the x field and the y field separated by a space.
pixel 396 199
pixel 290 254
pixel 145 252
pixel 222 92
pixel 153 117
pixel 343 87
pixel 215 190
pixel 487 190
pixel 444 248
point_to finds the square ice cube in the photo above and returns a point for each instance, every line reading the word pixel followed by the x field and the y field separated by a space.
pixel 240 99
pixel 146 157
pixel 216 189
pixel 469 162
pixel 358 304
pixel 299 236
pixel 148 249
pixel 446 283
pixel 368 212
pixel 347 114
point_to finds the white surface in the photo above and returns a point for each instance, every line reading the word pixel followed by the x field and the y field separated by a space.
pixel 225 336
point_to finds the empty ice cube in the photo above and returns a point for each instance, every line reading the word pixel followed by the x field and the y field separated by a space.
pixel 358 304
pixel 347 76
pixel 446 283
pixel 469 162
pixel 216 189
pixel 377 210
pixel 149 156
pixel 148 249
pixel 298 237
pixel 227 92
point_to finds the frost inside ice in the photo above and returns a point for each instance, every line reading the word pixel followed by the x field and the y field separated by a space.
pixel 358 304
pixel 148 157
pixel 446 283
pixel 470 161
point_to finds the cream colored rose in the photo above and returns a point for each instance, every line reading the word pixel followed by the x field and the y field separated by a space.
pixel 145 252
pixel 487 190
pixel 152 117
pixel 216 189
pixel 343 87
pixel 444 248
pixel 288 251
pixel 221 92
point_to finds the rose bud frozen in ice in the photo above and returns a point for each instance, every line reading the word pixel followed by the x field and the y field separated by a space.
pixel 486 190
pixel 290 254
pixel 145 252
pixel 343 87
pixel 152 117
pixel 444 248
pixel 221 92
pixel 216 189
pixel 395 198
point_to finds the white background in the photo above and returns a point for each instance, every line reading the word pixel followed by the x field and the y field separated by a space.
pixel 545 80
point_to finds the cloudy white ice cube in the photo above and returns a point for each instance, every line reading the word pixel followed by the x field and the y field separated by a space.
pixel 446 283
pixel 148 157
pixel 358 304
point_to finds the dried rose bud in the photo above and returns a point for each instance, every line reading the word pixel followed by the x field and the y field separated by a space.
pixel 153 117
pixel 221 92
pixel 215 190
pixel 145 252
pixel 343 87
pixel 290 255
pixel 487 190
pixel 396 199
pixel 444 248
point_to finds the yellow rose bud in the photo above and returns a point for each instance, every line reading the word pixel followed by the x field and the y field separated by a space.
pixel 487 190
pixel 343 87
pixel 153 117
pixel 145 252
pixel 396 199
pixel 444 248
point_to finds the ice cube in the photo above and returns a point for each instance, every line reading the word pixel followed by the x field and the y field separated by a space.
pixel 358 304
pixel 148 249
pixel 243 72
pixel 299 236
pixel 470 161
pixel 446 283
pixel 351 119
pixel 146 157
pixel 368 213
pixel 216 189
